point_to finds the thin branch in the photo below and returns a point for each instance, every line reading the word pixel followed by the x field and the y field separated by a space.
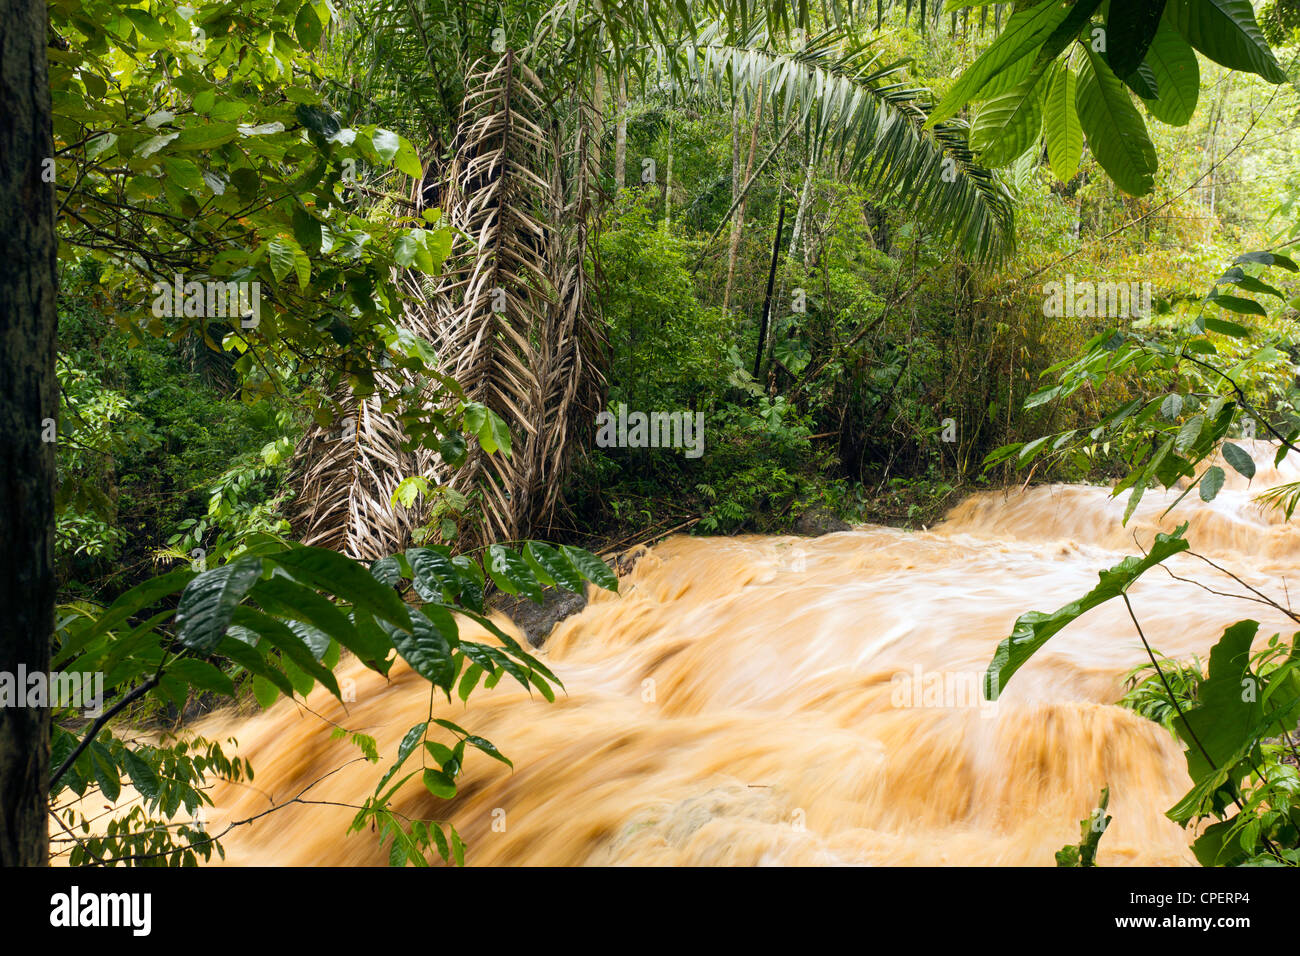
pixel 136 693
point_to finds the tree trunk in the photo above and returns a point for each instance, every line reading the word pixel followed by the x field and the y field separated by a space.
pixel 1212 143
pixel 767 296
pixel 801 213
pixel 620 134
pixel 668 179
pixel 738 223
pixel 28 408
pixel 735 150
pixel 598 107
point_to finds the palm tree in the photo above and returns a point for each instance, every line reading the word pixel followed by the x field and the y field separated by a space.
pixel 499 95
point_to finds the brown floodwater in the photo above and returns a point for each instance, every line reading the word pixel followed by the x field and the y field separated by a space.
pixel 781 700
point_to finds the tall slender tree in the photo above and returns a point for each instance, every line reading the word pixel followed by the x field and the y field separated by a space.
pixel 28 409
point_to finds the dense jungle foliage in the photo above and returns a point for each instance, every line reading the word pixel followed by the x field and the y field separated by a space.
pixel 863 339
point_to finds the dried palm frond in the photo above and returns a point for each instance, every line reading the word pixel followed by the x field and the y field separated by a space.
pixel 519 329
pixel 345 477
pixel 511 321
pixel 573 351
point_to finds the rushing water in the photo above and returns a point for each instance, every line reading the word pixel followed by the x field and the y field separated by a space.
pixel 777 700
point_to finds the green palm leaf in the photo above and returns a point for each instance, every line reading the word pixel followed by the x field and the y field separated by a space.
pixel 862 113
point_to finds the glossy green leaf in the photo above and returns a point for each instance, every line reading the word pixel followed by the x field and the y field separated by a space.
pixel 439 784
pixel 1211 483
pixel 1024 33
pixel 1239 459
pixel 1009 124
pixel 552 567
pixel 1226 32
pixel 1178 76
pixel 512 573
pixel 1062 129
pixel 591 567
pixel 1035 628
pixel 427 647
pixel 329 571
pixel 209 601
pixel 1114 128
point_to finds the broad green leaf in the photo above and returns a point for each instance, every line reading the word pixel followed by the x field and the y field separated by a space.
pixel 143 776
pixel 1188 434
pixel 183 172
pixel 1009 124
pixel 294 648
pixel 591 567
pixel 1130 27
pixel 386 570
pixel 1235 276
pixel 1062 130
pixel 427 648
pixel 512 573
pixel 1116 133
pixel 490 430
pixel 280 254
pixel 1142 81
pixel 287 256
pixel 1034 629
pixel 1178 76
pixel 1267 259
pixel 317 641
pixel 408 161
pixel 201 675
pixel 285 597
pixel 376 648
pixel 439 784
pixel 551 566
pixel 155 143
pixel 329 571
pixel 147 25
pixel 412 249
pixel 434 573
pixel 307 26
pixel 1226 32
pixel 386 144
pixel 208 602
pixel 206 136
pixel 1211 483
pixel 1236 303
pixel 106 772
pixel 1239 459
pixel 1224 327
pixel 1023 35
pixel 468 681
pixel 471 581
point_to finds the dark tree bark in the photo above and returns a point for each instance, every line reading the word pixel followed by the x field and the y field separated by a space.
pixel 767 298
pixel 28 404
